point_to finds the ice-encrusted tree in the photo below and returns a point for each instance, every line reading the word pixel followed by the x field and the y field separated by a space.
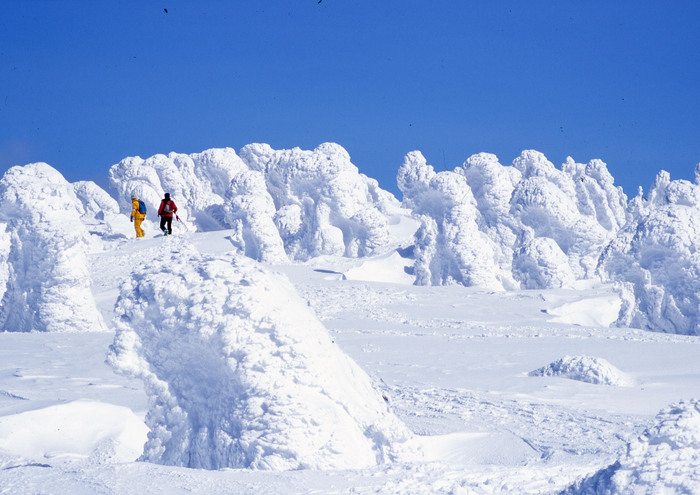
pixel 317 200
pixel 43 245
pixel 240 372
pixel 529 224
pixel 656 259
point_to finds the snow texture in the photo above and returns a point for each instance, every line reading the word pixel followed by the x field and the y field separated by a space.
pixel 45 283
pixel 587 369
pixel 282 203
pixel 665 459
pixel 240 373
pixel 656 259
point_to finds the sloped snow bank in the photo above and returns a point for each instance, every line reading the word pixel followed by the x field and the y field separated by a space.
pixel 665 459
pixel 77 430
pixel 240 372
pixel 587 369
pixel 45 281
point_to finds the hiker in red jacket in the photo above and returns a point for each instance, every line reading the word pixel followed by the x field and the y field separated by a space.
pixel 166 212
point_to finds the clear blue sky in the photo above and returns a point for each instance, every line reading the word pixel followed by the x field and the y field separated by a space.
pixel 84 84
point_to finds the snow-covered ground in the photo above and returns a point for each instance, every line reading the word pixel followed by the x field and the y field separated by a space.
pixel 306 332
pixel 456 365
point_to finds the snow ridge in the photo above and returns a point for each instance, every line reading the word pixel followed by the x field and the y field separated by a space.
pixel 240 372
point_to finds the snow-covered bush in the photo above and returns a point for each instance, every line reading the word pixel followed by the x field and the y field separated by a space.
pixel 665 459
pixel 587 369
pixel 656 259
pixel 240 372
pixel 310 202
pixel 43 249
pixel 529 225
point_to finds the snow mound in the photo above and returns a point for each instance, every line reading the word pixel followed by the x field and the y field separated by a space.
pixel 76 430
pixel 45 282
pixel 656 259
pixel 529 225
pixel 599 311
pixel 281 203
pixel 240 372
pixel 665 459
pixel 585 369
pixel 388 268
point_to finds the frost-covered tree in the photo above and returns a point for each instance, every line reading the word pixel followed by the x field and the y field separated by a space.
pixel 528 224
pixel 317 201
pixel 241 374
pixel 450 247
pixel 656 259
pixel 43 245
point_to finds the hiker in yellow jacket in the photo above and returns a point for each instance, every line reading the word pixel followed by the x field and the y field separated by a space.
pixel 137 216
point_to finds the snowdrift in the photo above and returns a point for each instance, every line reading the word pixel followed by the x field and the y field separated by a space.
pixel 45 283
pixel 587 369
pixel 240 372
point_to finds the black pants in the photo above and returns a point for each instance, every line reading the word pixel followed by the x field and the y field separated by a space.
pixel 166 222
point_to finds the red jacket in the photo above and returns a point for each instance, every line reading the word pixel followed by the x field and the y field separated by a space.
pixel 167 208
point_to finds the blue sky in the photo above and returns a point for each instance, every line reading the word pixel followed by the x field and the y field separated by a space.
pixel 84 84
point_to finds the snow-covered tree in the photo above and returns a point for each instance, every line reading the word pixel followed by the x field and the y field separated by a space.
pixel 241 373
pixel 43 248
pixel 656 259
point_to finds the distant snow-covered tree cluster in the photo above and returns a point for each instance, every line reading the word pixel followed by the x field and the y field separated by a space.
pixel 527 225
pixel 282 203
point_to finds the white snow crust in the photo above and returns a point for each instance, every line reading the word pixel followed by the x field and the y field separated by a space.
pixel 304 333
pixel 240 372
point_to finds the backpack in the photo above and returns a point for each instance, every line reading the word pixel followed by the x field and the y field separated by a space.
pixel 166 207
pixel 142 207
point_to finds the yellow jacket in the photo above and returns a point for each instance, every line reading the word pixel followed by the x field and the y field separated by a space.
pixel 135 213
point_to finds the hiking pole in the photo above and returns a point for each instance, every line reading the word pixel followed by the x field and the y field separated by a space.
pixel 183 223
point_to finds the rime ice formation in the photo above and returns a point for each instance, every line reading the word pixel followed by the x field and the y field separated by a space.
pixel 281 203
pixel 450 247
pixel 587 369
pixel 240 372
pixel 518 224
pixel 665 459
pixel 656 259
pixel 44 279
